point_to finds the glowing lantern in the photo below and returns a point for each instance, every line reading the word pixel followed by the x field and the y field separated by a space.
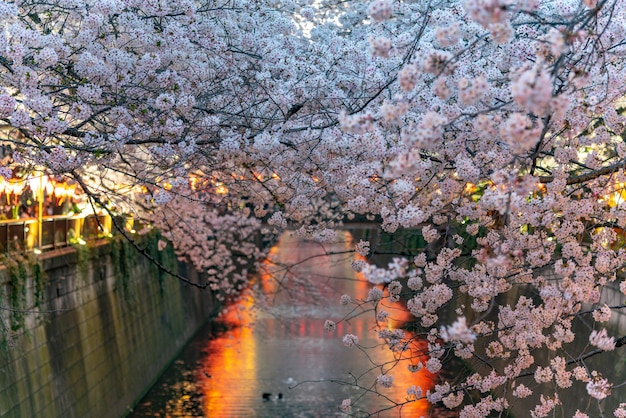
pixel 220 188
pixel 38 185
pixel 18 187
pixel 59 191
pixel 50 187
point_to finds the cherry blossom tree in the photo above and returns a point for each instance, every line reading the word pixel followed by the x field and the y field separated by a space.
pixel 493 129
pixel 502 143
pixel 135 101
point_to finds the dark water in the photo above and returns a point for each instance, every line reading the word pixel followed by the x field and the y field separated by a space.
pixel 285 349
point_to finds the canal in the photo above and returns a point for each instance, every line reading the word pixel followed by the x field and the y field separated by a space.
pixel 284 349
pixel 274 344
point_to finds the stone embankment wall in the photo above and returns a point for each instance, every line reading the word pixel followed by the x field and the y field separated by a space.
pixel 103 334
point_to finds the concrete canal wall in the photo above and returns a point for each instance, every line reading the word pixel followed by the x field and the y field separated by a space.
pixel 108 325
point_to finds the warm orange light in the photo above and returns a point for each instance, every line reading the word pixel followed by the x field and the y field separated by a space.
pixel 615 195
pixel 37 183
pixel 469 189
pixel 59 190
pixel 7 188
pixel 233 356
pixel 542 187
pixel 237 176
pixel 18 187
pixel 221 189
pixel 403 377
pixel 14 187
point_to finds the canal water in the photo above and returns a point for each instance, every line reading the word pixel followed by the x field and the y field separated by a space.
pixel 284 350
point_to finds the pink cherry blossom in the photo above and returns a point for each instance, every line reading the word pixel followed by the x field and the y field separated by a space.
pixel 350 340
pixel 480 137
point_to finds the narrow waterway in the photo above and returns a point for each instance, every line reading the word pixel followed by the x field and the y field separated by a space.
pixel 284 349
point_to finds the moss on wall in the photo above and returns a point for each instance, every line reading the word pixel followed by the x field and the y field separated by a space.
pixel 108 323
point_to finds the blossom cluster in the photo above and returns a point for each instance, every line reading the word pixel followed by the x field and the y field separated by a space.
pixel 493 127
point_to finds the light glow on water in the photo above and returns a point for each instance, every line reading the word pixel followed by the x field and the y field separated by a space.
pixel 285 348
pixel 229 371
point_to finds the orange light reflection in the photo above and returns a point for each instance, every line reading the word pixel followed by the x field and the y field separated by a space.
pixel 229 368
pixel 231 359
pixel 398 366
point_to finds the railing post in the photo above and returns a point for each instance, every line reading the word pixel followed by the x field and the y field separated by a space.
pixel 40 212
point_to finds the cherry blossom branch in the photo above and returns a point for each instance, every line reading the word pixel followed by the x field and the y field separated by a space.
pixel 120 228
pixel 583 178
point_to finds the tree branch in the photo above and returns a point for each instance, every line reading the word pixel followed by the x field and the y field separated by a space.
pixel 582 178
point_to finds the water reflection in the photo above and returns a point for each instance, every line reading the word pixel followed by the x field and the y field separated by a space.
pixel 229 370
pixel 285 349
